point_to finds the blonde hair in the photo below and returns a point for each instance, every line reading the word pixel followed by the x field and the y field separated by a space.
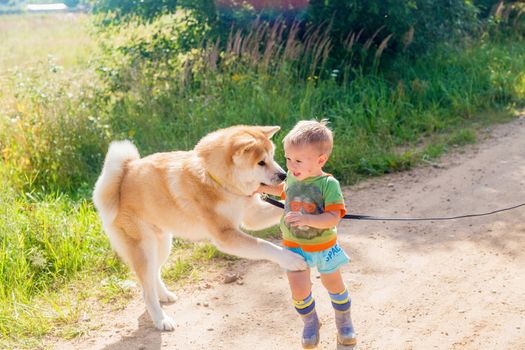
pixel 311 132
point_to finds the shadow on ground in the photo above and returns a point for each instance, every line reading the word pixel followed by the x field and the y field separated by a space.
pixel 151 339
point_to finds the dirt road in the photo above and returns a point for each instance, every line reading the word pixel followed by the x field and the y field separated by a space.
pixel 424 285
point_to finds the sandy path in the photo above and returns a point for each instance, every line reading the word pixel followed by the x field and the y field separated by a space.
pixel 425 285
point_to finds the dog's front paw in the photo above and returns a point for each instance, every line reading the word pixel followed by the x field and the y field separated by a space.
pixel 292 261
pixel 165 323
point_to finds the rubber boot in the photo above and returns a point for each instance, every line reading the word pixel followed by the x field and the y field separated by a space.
pixel 345 329
pixel 310 337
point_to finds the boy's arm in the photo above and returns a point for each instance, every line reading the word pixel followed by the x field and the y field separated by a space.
pixel 273 190
pixel 334 209
pixel 325 220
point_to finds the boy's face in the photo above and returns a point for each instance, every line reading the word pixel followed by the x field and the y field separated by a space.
pixel 304 161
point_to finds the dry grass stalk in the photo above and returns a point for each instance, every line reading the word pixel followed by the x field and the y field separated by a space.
pixel 348 43
pixel 382 47
pixel 497 8
pixel 408 38
pixel 505 14
pixel 271 48
pixel 369 42
pixel 359 35
pixel 292 45
pixel 213 55
pixel 186 75
pixel 516 21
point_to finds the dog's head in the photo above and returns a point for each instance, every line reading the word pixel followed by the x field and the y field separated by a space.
pixel 253 159
pixel 242 157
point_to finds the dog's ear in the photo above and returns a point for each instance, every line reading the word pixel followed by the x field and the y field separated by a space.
pixel 269 131
pixel 241 144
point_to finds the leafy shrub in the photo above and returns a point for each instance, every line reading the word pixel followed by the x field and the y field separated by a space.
pixel 387 26
pixel 116 12
pixel 417 24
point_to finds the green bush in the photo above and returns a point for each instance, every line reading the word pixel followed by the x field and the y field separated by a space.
pixel 361 29
pixel 116 12
pixel 418 25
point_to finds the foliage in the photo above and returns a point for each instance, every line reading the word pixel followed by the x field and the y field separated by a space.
pixel 416 24
pixel 329 35
pixel 46 241
pixel 50 126
pixel 116 12
pixel 506 20
pixel 50 140
pixel 371 114
pixel 389 27
pixel 485 7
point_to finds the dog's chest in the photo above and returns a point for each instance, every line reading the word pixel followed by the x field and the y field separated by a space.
pixel 233 209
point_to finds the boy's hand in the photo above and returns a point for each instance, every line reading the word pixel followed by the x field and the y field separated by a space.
pixel 296 218
pixel 274 190
pixel 322 221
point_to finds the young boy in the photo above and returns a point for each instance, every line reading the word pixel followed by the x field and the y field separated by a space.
pixel 314 206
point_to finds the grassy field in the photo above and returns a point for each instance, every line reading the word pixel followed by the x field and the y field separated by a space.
pixel 57 116
pixel 30 39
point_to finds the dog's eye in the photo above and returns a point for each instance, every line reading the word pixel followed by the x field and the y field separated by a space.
pixel 262 163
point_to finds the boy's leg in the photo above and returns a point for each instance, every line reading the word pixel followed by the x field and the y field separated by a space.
pixel 341 302
pixel 333 282
pixel 300 283
pixel 301 287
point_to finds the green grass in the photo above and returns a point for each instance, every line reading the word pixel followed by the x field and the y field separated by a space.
pixel 372 114
pixel 57 118
pixel 46 241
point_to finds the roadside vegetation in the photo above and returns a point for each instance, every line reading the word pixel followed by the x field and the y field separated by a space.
pixel 70 84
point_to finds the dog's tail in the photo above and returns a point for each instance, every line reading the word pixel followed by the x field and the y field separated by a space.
pixel 106 193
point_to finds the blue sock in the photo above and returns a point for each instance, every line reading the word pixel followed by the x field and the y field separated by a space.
pixel 304 307
pixel 341 301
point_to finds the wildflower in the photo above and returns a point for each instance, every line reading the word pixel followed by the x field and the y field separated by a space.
pixel 37 259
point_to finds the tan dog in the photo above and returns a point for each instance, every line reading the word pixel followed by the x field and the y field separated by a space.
pixel 206 193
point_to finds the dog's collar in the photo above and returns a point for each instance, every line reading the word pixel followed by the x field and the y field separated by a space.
pixel 237 191
pixel 214 179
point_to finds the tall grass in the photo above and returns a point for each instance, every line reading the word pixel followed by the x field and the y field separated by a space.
pixel 372 114
pixel 45 241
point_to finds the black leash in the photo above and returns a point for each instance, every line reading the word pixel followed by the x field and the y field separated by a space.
pixel 368 217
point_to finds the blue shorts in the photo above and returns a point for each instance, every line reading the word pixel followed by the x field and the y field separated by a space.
pixel 327 261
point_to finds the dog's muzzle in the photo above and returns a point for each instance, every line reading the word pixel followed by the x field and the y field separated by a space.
pixel 277 178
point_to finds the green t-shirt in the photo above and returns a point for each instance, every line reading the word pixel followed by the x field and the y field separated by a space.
pixel 314 195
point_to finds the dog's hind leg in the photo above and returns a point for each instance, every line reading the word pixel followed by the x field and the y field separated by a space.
pixel 164 248
pixel 142 254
